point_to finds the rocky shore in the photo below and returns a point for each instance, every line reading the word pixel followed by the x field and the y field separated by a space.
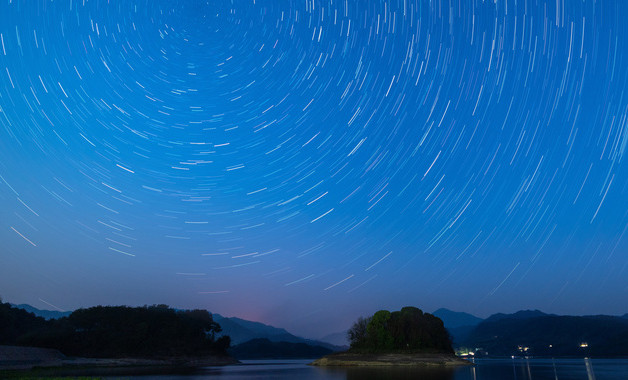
pixel 389 359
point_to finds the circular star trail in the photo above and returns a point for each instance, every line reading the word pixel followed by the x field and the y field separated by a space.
pixel 281 160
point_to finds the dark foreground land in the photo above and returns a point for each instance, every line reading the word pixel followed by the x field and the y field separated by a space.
pixel 389 359
pixel 32 361
pixel 109 340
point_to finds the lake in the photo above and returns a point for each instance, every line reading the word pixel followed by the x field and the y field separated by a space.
pixel 485 369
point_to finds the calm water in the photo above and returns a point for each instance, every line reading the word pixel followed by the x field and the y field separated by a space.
pixel 485 369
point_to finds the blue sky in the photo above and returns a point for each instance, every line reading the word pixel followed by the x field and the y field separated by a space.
pixel 304 163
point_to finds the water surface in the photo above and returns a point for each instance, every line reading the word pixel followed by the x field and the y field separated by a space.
pixel 485 369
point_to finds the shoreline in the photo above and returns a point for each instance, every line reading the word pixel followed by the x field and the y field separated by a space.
pixel 19 361
pixel 349 359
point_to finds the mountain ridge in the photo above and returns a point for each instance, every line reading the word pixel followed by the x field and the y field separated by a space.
pixel 495 334
pixel 242 330
pixel 338 338
pixel 549 335
pixel 521 314
pixel 453 319
pixel 46 314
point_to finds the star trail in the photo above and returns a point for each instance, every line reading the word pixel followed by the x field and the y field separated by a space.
pixel 304 162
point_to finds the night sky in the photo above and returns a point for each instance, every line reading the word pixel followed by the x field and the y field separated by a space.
pixel 302 163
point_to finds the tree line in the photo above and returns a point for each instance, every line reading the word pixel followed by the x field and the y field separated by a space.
pixel 117 331
pixel 408 330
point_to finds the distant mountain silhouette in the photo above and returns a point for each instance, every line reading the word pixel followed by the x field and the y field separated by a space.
pixel 453 319
pixel 265 349
pixel 500 334
pixel 338 339
pixel 458 324
pixel 534 333
pixel 460 334
pixel 46 314
pixel 522 314
pixel 241 330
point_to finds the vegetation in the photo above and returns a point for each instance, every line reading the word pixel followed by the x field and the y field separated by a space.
pixel 15 323
pixel 103 331
pixel 407 330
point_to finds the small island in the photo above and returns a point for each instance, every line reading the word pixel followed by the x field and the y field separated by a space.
pixel 407 337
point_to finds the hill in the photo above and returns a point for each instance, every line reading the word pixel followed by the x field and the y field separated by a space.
pixel 265 349
pixel 338 339
pixel 16 323
pixel 453 319
pixel 407 337
pixel 241 330
pixel 116 332
pixel 46 314
pixel 458 324
pixel 539 334
pixel 408 330
pixel 521 314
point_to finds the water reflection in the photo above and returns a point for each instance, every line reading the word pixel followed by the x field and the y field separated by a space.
pixel 533 369
pixel 485 369
pixel 393 373
pixel 587 364
pixel 489 369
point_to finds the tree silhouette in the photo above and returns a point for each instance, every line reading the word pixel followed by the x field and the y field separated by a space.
pixel 117 331
pixel 406 330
